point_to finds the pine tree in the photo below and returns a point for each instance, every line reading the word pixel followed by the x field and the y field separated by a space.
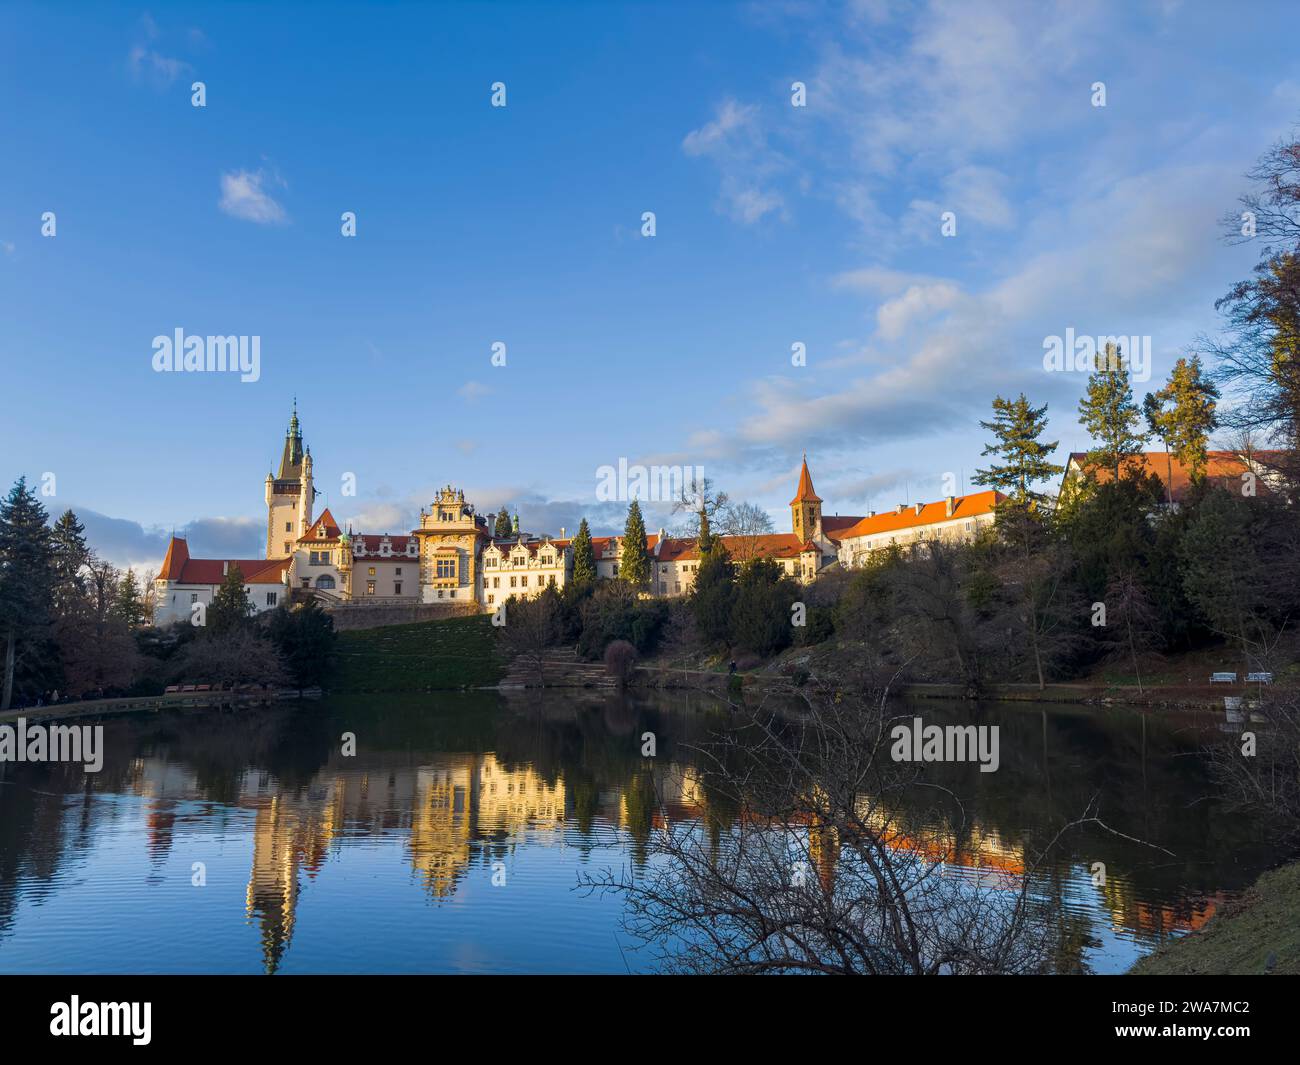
pixel 634 565
pixel 504 526
pixel 1194 400
pixel 1109 414
pixel 128 603
pixel 230 608
pixel 584 558
pixel 713 595
pixel 27 579
pixel 68 541
pixel 1024 458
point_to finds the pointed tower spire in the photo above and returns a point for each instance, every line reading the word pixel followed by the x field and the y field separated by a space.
pixel 806 507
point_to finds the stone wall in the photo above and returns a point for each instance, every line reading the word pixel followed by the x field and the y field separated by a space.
pixel 363 616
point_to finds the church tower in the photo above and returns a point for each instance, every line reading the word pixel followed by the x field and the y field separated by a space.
pixel 806 508
pixel 289 494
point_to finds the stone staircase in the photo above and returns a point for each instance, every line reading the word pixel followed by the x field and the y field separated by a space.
pixel 561 668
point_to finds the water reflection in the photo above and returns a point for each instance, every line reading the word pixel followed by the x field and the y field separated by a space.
pixel 445 791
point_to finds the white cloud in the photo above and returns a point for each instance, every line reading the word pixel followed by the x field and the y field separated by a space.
pixel 473 390
pixel 736 144
pixel 243 196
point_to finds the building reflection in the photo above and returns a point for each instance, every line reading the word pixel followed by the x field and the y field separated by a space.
pixel 454 811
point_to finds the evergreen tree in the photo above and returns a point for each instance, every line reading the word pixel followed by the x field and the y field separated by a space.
pixel 713 594
pixel 1182 414
pixel 1109 414
pixel 1194 400
pixel 230 607
pixel 68 541
pixel 1022 458
pixel 128 603
pixel 584 558
pixel 504 527
pixel 634 564
pixel 27 580
pixel 306 640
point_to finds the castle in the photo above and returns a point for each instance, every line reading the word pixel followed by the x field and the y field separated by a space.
pixel 455 559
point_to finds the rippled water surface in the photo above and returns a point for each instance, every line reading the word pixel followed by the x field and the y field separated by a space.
pixel 453 840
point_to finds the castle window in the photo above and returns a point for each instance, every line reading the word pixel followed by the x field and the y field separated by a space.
pixel 446 567
pixel 270 598
pixel 491 599
pixel 324 581
pixel 397 588
pixel 489 563
pixel 523 582
pixel 372 572
pixel 286 547
pixel 288 526
pixel 512 582
pixel 370 587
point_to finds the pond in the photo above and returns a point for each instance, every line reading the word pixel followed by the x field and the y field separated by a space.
pixel 452 840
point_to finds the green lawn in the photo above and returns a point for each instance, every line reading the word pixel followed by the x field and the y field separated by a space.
pixel 1258 934
pixel 446 654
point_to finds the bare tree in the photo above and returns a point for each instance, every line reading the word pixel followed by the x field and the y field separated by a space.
pixel 1131 620
pixel 821 861
pixel 532 627
pixel 699 504
pixel 745 523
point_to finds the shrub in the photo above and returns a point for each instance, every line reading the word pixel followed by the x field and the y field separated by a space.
pixel 620 660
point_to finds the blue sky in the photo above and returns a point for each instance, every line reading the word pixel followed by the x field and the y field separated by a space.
pixel 775 225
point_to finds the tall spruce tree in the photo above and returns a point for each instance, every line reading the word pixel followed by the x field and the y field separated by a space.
pixel 27 580
pixel 128 602
pixel 1183 415
pixel 1022 458
pixel 634 563
pixel 504 526
pixel 584 557
pixel 68 541
pixel 1109 414
pixel 230 608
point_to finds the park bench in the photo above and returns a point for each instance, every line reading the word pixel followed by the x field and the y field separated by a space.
pixel 1259 678
pixel 1223 678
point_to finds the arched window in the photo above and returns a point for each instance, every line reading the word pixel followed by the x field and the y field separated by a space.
pixel 324 581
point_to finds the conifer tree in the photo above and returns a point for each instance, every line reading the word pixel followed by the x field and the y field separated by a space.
pixel 68 542
pixel 1022 458
pixel 27 579
pixel 1193 402
pixel 230 607
pixel 634 564
pixel 128 603
pixel 1109 414
pixel 584 558
pixel 504 526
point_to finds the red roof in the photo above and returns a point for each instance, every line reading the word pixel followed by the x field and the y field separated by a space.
pixel 606 546
pixel 804 493
pixel 323 528
pixel 1223 468
pixel 371 544
pixel 765 545
pixel 178 566
pixel 930 514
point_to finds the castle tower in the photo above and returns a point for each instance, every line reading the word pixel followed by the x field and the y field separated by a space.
pixel 289 494
pixel 806 507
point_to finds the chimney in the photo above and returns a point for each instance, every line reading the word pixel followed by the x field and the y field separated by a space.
pixel 225 568
pixel 918 509
pixel 952 505
pixel 561 532
pixel 871 514
pixel 901 507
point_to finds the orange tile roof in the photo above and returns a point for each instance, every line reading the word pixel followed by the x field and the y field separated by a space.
pixel 804 493
pixel 371 542
pixel 1223 468
pixel 931 513
pixel 766 545
pixel 323 528
pixel 179 567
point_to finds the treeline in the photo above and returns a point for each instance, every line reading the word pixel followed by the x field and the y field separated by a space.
pixel 73 626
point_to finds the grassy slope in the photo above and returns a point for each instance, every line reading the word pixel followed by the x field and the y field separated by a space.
pixel 1239 940
pixel 446 654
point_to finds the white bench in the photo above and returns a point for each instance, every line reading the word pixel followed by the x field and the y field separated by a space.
pixel 1223 678
pixel 1259 678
